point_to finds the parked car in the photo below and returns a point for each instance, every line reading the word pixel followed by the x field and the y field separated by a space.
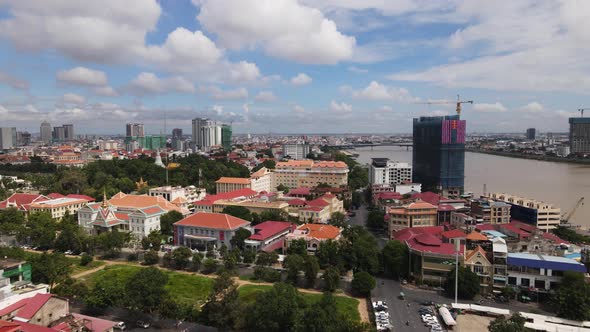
pixel 144 324
pixel 120 326
pixel 69 252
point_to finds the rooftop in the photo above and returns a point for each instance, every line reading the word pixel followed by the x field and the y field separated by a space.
pixel 320 231
pixel 213 220
pixel 230 180
pixel 545 262
pixel 267 229
pixel 59 202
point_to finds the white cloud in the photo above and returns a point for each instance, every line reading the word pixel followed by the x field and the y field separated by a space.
pixel 265 96
pixel 219 94
pixel 340 107
pixel 82 76
pixel 533 107
pixel 298 109
pixel 378 91
pixel 146 83
pixel 301 79
pixel 357 70
pixel 495 107
pixel 184 51
pixel 243 72
pixel 531 60
pixel 385 109
pixel 105 91
pixel 283 28
pixel 99 31
pixel 13 81
pixel 72 98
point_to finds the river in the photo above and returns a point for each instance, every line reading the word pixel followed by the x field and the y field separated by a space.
pixel 560 184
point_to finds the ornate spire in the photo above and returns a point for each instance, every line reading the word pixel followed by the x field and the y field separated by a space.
pixel 105 203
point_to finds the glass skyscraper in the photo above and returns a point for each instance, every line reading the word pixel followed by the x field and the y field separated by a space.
pixel 439 154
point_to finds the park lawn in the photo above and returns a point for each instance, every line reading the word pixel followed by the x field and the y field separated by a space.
pixel 77 268
pixel 346 305
pixel 182 287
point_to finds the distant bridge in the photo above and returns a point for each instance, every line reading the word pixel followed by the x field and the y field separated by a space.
pixel 362 145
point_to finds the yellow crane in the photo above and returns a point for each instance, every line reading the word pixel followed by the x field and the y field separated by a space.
pixel 458 102
pixel 565 218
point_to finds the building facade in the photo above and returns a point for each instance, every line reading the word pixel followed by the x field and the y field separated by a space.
pixel 59 134
pixel 490 212
pixel 579 135
pixel 59 206
pixel 418 214
pixel 227 184
pixel 314 235
pixel 45 132
pixel 206 133
pixel 438 154
pixel 540 272
pixel 297 151
pixel 226 137
pixel 134 130
pixel 262 180
pixel 204 230
pixel 385 171
pixel 7 137
pixel 531 134
pixel 69 132
pixel 539 214
pixel 269 236
pixel 307 173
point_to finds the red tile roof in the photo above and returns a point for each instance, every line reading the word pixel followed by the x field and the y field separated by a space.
pixel 446 207
pixel 213 220
pixel 553 237
pixel 312 208
pixel 454 233
pixel 485 227
pixel 296 202
pixel 33 305
pixel 318 202
pixel 428 239
pixel 320 231
pixel 428 243
pixel 429 197
pixel 268 229
pixel 95 324
pixel 55 195
pixel 302 191
pixel 389 195
pixel 408 233
pixel 88 198
pixel 476 236
pixel 8 326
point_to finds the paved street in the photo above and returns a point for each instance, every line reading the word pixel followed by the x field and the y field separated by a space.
pixel 359 220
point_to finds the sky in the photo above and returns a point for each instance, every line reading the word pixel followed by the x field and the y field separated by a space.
pixel 293 66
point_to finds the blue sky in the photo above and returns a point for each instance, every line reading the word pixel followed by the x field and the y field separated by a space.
pixel 287 66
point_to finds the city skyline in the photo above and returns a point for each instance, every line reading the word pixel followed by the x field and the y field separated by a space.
pixel 366 67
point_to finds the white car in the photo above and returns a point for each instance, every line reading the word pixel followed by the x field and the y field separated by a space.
pixel 120 326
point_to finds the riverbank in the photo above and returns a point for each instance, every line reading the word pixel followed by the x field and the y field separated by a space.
pixel 531 157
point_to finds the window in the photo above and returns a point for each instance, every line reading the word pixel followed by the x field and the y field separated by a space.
pixel 539 284
pixel 526 282
pixel 512 281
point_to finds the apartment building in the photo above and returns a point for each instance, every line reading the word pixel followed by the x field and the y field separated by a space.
pixel 539 214
pixel 385 171
pixel 490 212
pixel 59 206
pixel 541 272
pixel 417 214
pixel 307 173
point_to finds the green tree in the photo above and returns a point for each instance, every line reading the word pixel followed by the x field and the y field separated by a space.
pixel 197 261
pixel 274 215
pixel 468 280
pixel 362 283
pixel 293 264
pixel 181 257
pixel 71 236
pixel 283 188
pixel 249 256
pixel 238 212
pixel 278 309
pixel 268 163
pixel 151 257
pixel 107 292
pixel 359 250
pixel 311 267
pixel 572 299
pixel 328 253
pixel 50 268
pixel 71 288
pixel 376 219
pixel 167 220
pixel 267 258
pixel 12 221
pixel 41 230
pixel 239 237
pixel 323 316
pixel 152 241
pixel 395 259
pixel 112 242
pixel 209 266
pixel 331 278
pixel 514 324
pixel 231 259
pixel 297 247
pixel 222 303
pixel 145 290
pixel 338 219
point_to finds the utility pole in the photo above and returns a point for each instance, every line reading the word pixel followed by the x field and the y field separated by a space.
pixel 457 245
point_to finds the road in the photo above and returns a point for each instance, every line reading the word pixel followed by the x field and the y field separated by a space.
pixel 359 220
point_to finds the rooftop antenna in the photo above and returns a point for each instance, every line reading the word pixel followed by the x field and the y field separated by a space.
pixel 485 189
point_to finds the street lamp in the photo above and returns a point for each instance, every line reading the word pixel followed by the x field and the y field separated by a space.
pixel 457 246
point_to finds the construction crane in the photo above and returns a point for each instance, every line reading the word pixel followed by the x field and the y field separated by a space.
pixel 581 110
pixel 565 218
pixel 458 102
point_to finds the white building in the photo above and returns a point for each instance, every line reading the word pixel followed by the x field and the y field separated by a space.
pixel 296 151
pixel 385 171
pixel 539 214
pixel 7 137
pixel 206 133
pixel 407 188
pixel 108 145
pixel 541 272
pixel 168 192
pixel 563 150
pixel 203 230
pixel 262 180
pixel 45 132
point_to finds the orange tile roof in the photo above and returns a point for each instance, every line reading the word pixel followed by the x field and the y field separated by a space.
pixel 421 205
pixel 476 236
pixel 230 180
pixel 472 253
pixel 320 231
pixel 259 173
pixel 295 163
pixel 330 164
pixel 141 201
pixel 213 220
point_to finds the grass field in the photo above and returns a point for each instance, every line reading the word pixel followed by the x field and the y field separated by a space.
pixel 184 288
pixel 345 305
pixel 76 268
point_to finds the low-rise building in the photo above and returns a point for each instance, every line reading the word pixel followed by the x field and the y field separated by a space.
pixel 257 206
pixel 22 202
pixel 314 235
pixel 385 171
pixel 540 272
pixel 205 230
pixel 59 206
pixel 539 214
pixel 307 173
pixel 490 212
pixel 227 184
pixel 206 204
pixel 479 264
pixel 269 236
pixel 417 214
pixel 262 180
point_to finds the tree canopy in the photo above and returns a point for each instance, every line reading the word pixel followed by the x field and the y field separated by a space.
pixel 145 290
pixel 468 281
pixel 572 299
pixel 167 220
pixel 514 324
pixel 394 257
pixel 362 283
pixel 238 212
